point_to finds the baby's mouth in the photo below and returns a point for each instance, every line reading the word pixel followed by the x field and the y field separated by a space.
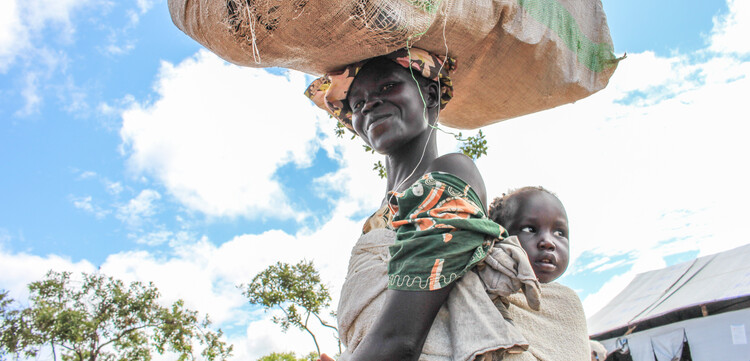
pixel 546 263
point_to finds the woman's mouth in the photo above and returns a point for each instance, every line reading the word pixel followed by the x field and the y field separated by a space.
pixel 377 122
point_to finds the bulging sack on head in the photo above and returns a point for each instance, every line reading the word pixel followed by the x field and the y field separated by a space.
pixel 515 56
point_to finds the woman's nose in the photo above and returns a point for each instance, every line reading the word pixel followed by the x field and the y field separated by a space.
pixel 370 105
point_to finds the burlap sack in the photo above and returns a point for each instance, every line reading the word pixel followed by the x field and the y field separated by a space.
pixel 515 57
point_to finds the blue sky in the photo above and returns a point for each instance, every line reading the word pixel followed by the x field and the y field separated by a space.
pixel 126 147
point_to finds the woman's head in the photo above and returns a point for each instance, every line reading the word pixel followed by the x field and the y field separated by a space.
pixel 390 105
pixel 538 219
pixel 331 91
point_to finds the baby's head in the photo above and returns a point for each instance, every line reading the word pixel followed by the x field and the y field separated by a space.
pixel 538 219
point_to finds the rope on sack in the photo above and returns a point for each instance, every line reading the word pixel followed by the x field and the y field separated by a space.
pixel 251 20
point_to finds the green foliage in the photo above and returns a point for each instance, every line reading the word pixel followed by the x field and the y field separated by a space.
pixel 102 318
pixel 340 129
pixel 296 290
pixel 377 166
pixel 288 356
pixel 474 146
pixel 380 168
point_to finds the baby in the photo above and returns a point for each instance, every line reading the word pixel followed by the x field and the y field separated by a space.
pixel 539 220
pixel 537 217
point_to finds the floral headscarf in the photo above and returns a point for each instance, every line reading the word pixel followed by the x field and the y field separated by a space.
pixel 330 91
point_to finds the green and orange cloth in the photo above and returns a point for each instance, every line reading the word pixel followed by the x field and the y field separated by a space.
pixel 442 232
pixel 330 91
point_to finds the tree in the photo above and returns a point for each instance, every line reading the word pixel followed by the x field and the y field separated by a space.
pixel 100 318
pixel 296 290
pixel 288 356
pixel 474 146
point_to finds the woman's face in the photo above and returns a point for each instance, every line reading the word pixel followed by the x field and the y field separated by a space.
pixel 387 107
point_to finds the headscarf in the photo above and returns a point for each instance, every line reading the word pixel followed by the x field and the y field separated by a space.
pixel 329 92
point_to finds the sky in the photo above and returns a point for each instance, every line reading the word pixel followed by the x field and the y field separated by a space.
pixel 127 148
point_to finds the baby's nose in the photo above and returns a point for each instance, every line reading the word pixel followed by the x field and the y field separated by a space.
pixel 546 244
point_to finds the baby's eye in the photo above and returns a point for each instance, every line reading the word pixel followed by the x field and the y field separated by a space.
pixel 560 233
pixel 528 229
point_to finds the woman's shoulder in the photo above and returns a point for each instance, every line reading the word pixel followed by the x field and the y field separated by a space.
pixel 462 167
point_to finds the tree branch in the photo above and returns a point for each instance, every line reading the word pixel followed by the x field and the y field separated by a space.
pixel 310 332
pixel 121 335
pixel 324 323
pixel 338 336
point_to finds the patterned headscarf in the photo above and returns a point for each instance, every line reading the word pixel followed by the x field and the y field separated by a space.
pixel 330 91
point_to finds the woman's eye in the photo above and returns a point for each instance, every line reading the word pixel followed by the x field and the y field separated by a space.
pixel 387 87
pixel 358 105
pixel 528 229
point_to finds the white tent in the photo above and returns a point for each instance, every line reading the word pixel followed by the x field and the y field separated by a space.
pixel 704 304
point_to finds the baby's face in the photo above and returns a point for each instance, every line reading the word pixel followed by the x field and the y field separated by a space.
pixel 541 225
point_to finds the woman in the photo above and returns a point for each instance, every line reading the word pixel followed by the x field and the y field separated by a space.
pixel 434 202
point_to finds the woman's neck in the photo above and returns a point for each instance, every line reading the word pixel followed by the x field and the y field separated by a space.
pixel 410 162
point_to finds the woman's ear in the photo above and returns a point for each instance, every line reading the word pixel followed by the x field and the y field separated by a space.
pixel 432 94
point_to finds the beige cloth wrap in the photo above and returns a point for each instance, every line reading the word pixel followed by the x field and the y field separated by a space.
pixel 506 270
pixel 468 324
pixel 557 332
pixel 599 349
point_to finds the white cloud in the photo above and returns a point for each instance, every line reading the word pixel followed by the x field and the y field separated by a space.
pixel 13 33
pixel 645 261
pixel 87 174
pixel 217 133
pixel 4 237
pixel 30 94
pixel 729 34
pixel 113 188
pixel 138 208
pixel 609 266
pixel 86 203
pixel 145 5
pixel 22 22
pixel 164 236
pixel 19 269
pixel 119 49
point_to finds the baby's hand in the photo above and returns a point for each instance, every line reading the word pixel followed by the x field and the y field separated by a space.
pixel 324 357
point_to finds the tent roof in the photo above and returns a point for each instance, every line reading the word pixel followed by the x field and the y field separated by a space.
pixel 705 280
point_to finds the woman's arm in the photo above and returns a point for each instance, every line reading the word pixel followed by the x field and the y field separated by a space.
pixel 401 329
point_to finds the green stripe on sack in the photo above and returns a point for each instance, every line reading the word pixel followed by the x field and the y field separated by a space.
pixel 595 57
